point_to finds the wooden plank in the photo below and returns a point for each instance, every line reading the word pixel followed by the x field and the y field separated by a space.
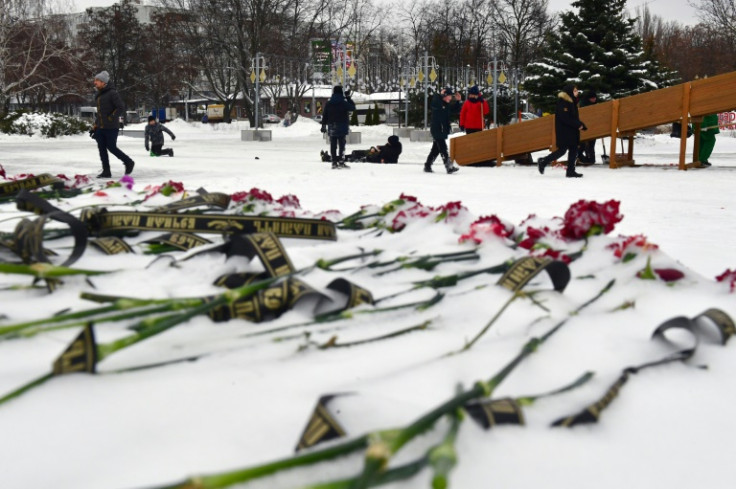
pixel 713 95
pixel 650 109
pixel 685 89
pixel 598 120
pixel 474 148
pixel 614 124
pixel 528 136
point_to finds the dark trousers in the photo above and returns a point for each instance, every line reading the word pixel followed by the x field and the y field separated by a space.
pixel 158 151
pixel 107 140
pixel 336 141
pixel 572 154
pixel 471 131
pixel 587 151
pixel 439 147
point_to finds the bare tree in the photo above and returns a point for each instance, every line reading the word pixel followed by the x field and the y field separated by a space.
pixel 719 14
pixel 522 25
pixel 32 43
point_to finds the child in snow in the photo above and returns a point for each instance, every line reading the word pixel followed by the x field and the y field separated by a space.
pixel 155 134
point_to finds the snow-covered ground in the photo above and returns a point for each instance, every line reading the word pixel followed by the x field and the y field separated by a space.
pixel 247 404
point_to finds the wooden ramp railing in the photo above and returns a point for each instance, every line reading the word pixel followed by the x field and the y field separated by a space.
pixel 616 119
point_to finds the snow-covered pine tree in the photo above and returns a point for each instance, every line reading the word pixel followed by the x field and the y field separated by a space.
pixel 597 49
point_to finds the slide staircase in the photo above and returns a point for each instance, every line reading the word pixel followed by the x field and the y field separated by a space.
pixel 616 119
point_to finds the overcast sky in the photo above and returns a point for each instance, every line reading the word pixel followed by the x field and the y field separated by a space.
pixel 678 10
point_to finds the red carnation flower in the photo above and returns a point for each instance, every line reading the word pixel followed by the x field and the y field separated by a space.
pixel 621 250
pixel 289 201
pixel 252 194
pixel 669 274
pixel 729 277
pixel 586 218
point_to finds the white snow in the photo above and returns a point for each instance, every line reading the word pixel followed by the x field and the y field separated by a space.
pixel 671 426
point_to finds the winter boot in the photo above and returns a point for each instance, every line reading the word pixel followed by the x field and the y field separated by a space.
pixel 105 174
pixel 171 153
pixel 129 167
pixel 541 164
pixel 342 164
pixel 428 168
pixel 335 164
pixel 449 166
pixel 571 173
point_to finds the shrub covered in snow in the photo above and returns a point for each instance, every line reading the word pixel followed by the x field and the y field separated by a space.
pixel 47 125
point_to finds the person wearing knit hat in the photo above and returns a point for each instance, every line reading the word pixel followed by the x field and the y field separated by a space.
pixel 110 108
pixel 474 111
pixel 155 134
pixel 103 76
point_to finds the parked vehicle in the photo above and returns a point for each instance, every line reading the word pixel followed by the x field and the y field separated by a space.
pixel 318 117
pixel 525 116
pixel 87 114
pixel 271 118
pixel 132 117
pixel 215 112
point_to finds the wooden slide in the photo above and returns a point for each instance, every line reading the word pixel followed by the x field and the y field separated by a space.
pixel 617 119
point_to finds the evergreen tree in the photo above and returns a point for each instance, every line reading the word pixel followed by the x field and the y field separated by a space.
pixel 597 49
pixel 354 118
pixel 376 115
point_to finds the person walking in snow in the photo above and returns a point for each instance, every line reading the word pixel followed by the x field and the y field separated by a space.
pixel 155 134
pixel 444 104
pixel 473 112
pixel 567 128
pixel 336 123
pixel 110 108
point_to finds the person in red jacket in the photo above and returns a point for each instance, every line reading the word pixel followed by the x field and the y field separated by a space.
pixel 474 112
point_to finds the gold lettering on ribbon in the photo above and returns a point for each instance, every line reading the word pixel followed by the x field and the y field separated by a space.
pixel 112 245
pixel 521 272
pixel 80 356
pixel 321 427
pixel 224 224
pixel 611 394
pixel 170 222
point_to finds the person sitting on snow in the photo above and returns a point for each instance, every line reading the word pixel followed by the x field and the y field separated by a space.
pixel 155 133
pixel 388 153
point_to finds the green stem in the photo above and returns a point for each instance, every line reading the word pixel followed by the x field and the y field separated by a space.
pixel 27 387
pixel 333 344
pixel 490 323
pixel 81 318
pixel 46 270
pixel 444 456
pixel 226 479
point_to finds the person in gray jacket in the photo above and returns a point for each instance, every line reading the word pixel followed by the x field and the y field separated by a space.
pixel 110 108
pixel 155 134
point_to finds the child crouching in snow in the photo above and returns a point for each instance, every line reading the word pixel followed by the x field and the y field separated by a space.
pixel 155 134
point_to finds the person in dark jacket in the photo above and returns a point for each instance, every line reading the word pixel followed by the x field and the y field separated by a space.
pixel 336 122
pixel 567 128
pixel 443 106
pixel 388 153
pixel 586 150
pixel 110 108
pixel 473 112
pixel 155 134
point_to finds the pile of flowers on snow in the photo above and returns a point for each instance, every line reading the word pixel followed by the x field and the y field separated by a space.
pixel 563 238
